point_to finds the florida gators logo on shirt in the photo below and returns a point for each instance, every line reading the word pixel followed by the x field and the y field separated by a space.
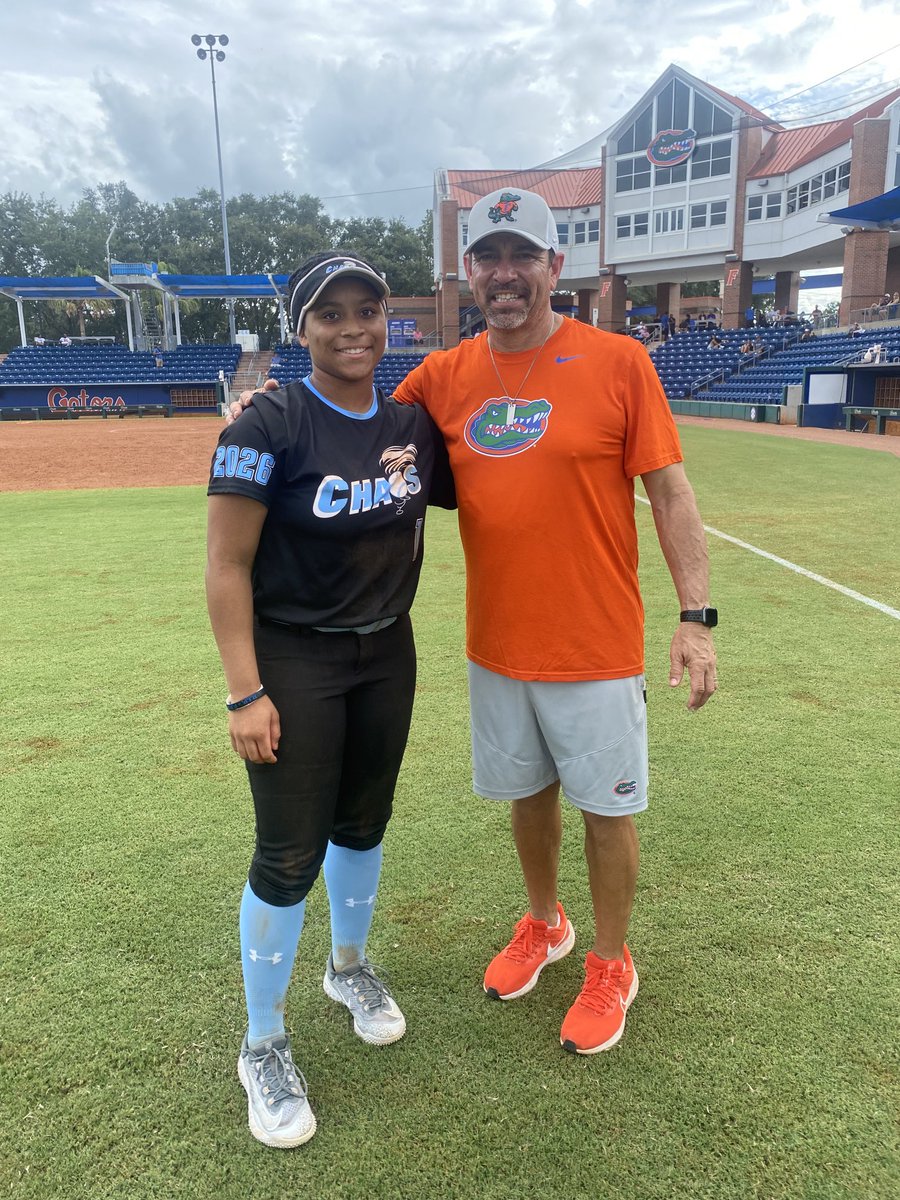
pixel 503 426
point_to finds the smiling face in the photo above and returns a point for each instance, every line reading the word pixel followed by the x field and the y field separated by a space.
pixel 345 332
pixel 511 280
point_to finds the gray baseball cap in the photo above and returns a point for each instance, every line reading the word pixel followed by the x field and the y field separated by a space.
pixel 512 210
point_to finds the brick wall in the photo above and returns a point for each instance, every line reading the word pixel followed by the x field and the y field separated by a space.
pixel 866 251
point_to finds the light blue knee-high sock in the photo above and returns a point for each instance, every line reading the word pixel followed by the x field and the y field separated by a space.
pixel 351 877
pixel 269 937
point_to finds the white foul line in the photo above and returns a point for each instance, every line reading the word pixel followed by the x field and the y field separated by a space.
pixel 783 562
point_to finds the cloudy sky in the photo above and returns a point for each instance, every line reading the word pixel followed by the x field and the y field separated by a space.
pixel 358 103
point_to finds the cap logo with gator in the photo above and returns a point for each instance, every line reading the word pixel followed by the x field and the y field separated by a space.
pixel 503 427
pixel 503 209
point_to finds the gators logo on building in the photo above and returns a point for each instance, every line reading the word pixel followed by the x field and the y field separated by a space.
pixel 503 210
pixel 671 147
pixel 502 427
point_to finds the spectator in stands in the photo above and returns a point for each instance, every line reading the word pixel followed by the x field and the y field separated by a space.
pixel 715 343
pixel 758 344
pixel 685 324
pixel 314 634
pixel 642 333
pixel 746 347
pixel 158 360
pixel 817 318
pixel 750 316
pixel 417 336
pixel 855 330
pixel 65 340
pixel 671 326
pixel 807 335
pixel 884 305
pixel 895 306
pixel 40 341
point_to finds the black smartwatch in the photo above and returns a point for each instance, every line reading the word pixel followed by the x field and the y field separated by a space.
pixel 703 616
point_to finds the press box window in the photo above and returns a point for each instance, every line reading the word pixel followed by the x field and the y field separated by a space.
pixel 668 220
pixel 632 173
pixel 712 159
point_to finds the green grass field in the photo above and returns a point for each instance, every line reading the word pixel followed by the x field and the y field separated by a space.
pixel 760 1058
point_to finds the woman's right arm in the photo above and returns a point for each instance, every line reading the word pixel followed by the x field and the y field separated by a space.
pixel 233 530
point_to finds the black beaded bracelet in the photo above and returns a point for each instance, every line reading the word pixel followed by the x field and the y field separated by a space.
pixel 234 705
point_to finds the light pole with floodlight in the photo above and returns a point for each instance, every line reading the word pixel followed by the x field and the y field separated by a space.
pixel 214 57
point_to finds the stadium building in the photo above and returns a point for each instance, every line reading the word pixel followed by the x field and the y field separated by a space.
pixel 696 184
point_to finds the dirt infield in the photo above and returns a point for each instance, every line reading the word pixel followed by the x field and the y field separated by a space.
pixel 156 452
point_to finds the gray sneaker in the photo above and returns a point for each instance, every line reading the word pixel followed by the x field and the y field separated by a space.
pixel 277 1108
pixel 376 1017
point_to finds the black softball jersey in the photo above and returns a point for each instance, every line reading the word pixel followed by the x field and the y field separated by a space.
pixel 346 494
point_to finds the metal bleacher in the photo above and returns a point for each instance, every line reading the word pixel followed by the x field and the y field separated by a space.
pixel 292 362
pixel 72 366
pixel 688 370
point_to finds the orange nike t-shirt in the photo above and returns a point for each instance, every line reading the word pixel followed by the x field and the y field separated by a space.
pixel 545 489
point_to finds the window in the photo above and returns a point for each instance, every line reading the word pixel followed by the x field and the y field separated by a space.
pixel 637 136
pixel 586 231
pixel 813 191
pixel 633 225
pixel 632 173
pixel 562 232
pixel 668 220
pixel 711 213
pixel 765 207
pixel 712 159
pixel 676 174
pixel 465 235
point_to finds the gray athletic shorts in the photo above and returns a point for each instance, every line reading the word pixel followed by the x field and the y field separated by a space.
pixel 591 735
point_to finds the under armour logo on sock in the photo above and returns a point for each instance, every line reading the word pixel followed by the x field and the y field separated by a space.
pixel 274 959
pixel 351 903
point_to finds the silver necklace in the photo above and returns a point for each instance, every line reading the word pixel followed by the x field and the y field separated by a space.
pixel 507 395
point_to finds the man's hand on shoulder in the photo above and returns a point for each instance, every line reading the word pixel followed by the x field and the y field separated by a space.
pixel 692 649
pixel 236 407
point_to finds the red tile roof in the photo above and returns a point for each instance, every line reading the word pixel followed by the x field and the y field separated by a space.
pixel 575 187
pixel 791 148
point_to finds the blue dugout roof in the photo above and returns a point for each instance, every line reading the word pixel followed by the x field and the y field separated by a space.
pixel 881 212
pixel 228 286
pixel 74 287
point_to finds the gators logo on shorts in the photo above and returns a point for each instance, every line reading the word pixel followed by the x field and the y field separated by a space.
pixel 506 205
pixel 671 147
pixel 626 787
pixel 502 426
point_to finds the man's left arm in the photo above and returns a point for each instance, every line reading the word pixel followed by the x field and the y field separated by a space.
pixel 683 541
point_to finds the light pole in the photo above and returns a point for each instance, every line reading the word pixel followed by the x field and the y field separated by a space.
pixel 214 57
pixel 108 240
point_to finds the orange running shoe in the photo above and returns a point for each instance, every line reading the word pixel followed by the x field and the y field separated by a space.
pixel 515 970
pixel 596 1020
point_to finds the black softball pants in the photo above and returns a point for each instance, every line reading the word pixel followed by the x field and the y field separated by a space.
pixel 345 702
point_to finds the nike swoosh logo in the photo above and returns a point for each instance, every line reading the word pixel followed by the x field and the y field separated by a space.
pixel 560 359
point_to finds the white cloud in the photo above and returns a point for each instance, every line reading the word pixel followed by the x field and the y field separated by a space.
pixel 331 98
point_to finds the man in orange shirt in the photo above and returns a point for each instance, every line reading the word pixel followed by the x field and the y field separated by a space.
pixel 547 422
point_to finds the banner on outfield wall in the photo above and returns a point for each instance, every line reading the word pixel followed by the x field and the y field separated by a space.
pixel 115 396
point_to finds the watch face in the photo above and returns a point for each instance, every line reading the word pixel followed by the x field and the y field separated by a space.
pixel 710 617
